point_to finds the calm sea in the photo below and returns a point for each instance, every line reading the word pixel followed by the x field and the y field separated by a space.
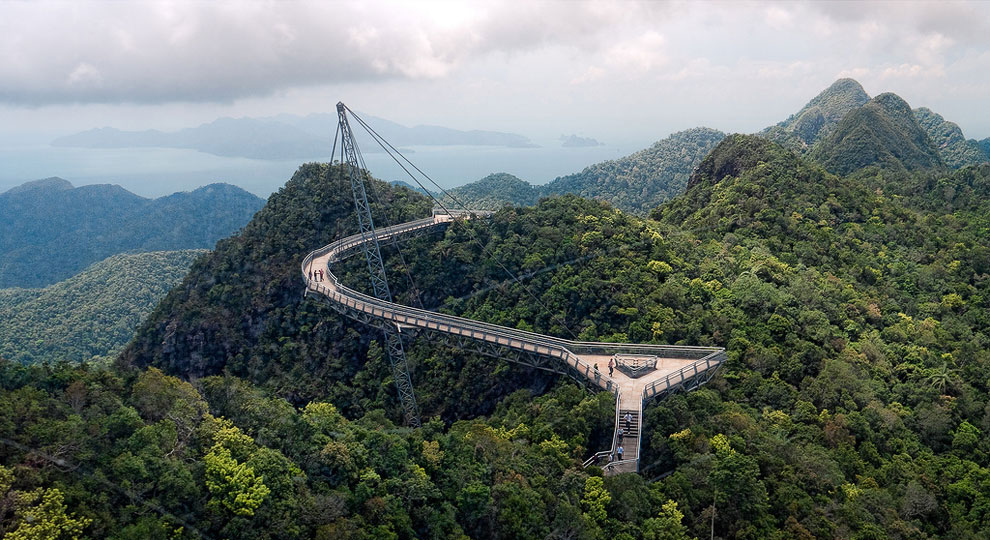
pixel 153 172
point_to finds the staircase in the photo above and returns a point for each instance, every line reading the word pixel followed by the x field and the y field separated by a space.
pixel 629 441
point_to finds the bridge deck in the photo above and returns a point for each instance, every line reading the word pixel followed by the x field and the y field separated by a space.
pixel 678 367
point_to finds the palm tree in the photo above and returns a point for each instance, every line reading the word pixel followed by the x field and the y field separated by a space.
pixel 941 377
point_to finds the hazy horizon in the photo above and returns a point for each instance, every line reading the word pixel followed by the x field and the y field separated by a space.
pixel 626 73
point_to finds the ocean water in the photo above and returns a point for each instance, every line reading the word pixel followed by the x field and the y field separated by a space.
pixel 153 172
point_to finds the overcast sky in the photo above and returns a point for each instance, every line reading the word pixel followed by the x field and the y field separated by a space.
pixel 618 71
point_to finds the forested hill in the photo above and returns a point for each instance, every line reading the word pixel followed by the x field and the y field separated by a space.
pixel 952 145
pixel 639 182
pixel 493 192
pixel 883 133
pixel 635 183
pixel 52 231
pixel 92 315
pixel 819 117
pixel 853 404
pixel 240 311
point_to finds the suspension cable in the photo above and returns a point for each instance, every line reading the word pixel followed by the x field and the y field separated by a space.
pixel 389 149
pixel 395 243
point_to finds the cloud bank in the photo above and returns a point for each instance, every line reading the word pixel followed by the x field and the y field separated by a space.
pixel 724 64
pixel 85 52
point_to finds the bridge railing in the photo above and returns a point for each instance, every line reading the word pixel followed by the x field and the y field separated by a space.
pixel 413 317
pixel 690 376
pixel 607 454
pixel 530 342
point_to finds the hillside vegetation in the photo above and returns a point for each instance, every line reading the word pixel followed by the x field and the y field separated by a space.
pixel 635 183
pixel 882 133
pixel 639 182
pixel 853 404
pixel 493 192
pixel 52 231
pixel 948 138
pixel 92 315
pixel 819 117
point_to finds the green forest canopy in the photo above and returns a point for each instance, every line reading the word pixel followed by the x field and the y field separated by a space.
pixel 853 405
pixel 92 315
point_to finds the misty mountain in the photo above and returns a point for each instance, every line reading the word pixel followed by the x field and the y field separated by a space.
pixel 819 117
pixel 52 230
pixel 948 138
pixel 283 137
pixel 635 183
pixel 323 124
pixel 883 133
pixel 573 141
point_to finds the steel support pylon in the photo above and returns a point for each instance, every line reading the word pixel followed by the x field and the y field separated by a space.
pixel 376 268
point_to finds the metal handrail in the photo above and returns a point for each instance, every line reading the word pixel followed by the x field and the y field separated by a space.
pixel 710 361
pixel 615 439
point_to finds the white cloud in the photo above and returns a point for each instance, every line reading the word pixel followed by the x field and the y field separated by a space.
pixel 85 75
pixel 491 60
pixel 779 18
pixel 639 55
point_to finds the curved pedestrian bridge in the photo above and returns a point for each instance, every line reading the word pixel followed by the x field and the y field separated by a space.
pixel 667 368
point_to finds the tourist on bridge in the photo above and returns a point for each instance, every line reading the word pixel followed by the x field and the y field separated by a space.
pixel 628 419
pixel 311 275
pixel 619 451
pixel 621 434
pixel 611 366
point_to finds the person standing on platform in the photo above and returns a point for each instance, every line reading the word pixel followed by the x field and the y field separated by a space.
pixel 611 366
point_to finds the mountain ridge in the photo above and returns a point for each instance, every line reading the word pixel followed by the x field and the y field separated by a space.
pixel 90 316
pixel 86 224
pixel 637 182
pixel 885 133
pixel 818 117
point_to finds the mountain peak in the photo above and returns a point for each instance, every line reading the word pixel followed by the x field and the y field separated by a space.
pixel 52 183
pixel 819 117
pixel 846 86
pixel 893 104
pixel 884 133
pixel 735 154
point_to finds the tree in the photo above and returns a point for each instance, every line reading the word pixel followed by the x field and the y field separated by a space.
pixel 940 377
pixel 233 485
pixel 596 499
pixel 741 497
pixel 667 525
pixel 43 516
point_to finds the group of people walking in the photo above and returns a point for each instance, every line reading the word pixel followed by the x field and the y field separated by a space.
pixel 627 428
pixel 318 274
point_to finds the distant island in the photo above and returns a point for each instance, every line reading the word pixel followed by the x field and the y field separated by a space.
pixel 282 137
pixel 574 141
